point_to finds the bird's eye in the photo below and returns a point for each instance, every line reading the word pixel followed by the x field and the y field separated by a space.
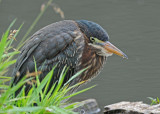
pixel 92 39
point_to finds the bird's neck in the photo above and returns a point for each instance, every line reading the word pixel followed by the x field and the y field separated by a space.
pixel 94 63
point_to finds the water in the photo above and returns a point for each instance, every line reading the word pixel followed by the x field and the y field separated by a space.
pixel 133 26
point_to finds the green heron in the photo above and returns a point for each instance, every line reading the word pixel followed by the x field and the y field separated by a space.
pixel 76 44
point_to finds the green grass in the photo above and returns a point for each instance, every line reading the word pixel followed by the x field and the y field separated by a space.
pixel 7 52
pixel 49 102
pixel 154 101
pixel 53 102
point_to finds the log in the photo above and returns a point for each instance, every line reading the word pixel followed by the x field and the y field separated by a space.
pixel 126 107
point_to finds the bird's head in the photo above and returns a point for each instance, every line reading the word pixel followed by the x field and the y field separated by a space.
pixel 98 39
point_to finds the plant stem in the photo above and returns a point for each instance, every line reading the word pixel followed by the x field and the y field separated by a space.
pixel 33 24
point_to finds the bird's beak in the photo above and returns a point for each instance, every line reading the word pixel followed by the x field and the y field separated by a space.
pixel 110 48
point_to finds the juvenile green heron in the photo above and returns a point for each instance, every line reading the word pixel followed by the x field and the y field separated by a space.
pixel 76 44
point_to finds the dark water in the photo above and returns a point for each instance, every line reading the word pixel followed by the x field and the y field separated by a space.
pixel 133 26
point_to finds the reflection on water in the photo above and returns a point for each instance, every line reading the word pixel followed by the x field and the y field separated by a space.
pixel 133 27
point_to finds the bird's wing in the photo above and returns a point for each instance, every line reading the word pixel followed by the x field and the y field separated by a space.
pixel 64 48
pixel 26 51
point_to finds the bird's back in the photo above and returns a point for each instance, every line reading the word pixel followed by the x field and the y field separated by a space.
pixel 58 44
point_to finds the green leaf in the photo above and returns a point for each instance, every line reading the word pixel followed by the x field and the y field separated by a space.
pixel 5 77
pixel 48 95
pixel 11 41
pixel 4 40
pixel 76 93
pixel 47 85
pixel 24 109
pixel 62 75
pixel 74 76
pixel 73 105
pixel 4 86
pixel 6 64
pixel 58 110
pixel 158 100
pixel 10 54
pixel 153 101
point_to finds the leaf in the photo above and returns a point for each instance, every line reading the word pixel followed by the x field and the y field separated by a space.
pixel 11 41
pixel 59 110
pixel 157 100
pixel 48 95
pixel 24 109
pixel 74 76
pixel 7 64
pixel 10 54
pixel 72 105
pixel 60 81
pixel 51 74
pixel 4 40
pixel 6 77
pixel 153 101
pixel 76 93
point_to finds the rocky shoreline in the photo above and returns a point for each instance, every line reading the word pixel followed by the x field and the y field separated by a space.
pixel 90 106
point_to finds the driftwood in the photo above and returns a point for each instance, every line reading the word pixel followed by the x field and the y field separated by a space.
pixel 88 106
pixel 132 108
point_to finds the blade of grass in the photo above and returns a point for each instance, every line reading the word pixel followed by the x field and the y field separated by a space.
pixel 29 96
pixel 62 75
pixel 12 90
pixel 42 84
pixel 11 41
pixel 72 105
pixel 7 64
pixel 10 54
pixel 57 100
pixel 60 110
pixel 47 85
pixel 4 86
pixel 48 95
pixel 63 91
pixel 24 109
pixel 76 93
pixel 74 76
pixel 37 79
pixel 6 77
pixel 74 86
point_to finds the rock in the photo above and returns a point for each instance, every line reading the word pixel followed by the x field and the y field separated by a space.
pixel 89 106
pixel 132 108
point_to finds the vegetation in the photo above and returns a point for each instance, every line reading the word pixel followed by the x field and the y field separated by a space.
pixel 47 102
pixel 52 102
pixel 154 101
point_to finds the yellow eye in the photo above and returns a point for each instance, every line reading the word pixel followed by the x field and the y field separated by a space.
pixel 92 39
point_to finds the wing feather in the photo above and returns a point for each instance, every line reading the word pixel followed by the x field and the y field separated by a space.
pixel 62 47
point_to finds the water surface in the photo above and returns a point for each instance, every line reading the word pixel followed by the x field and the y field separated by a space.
pixel 133 26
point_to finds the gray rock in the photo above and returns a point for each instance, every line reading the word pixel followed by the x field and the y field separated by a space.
pixel 89 106
pixel 126 107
